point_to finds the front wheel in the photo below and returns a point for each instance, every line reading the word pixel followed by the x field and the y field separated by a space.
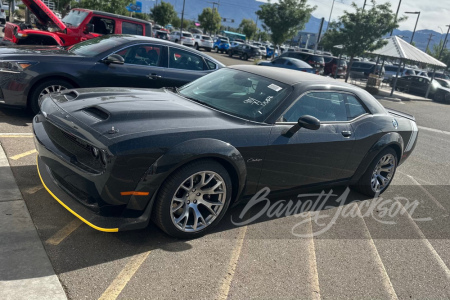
pixel 379 174
pixel 45 88
pixel 193 199
pixel 196 46
pixel 217 49
pixel 245 57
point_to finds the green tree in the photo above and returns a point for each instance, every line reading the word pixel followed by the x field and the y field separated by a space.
pixel 361 30
pixel 176 23
pixel 248 27
pixel 112 6
pixel 285 18
pixel 436 51
pixel 163 13
pixel 262 36
pixel 209 20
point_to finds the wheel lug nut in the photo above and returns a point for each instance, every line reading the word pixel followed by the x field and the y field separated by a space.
pixel 188 202
pixel 195 201
pixel 198 194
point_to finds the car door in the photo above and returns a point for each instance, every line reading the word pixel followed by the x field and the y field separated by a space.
pixel 144 67
pixel 309 157
pixel 184 66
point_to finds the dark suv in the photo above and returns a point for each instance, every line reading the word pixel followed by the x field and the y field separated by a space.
pixel 245 52
pixel 365 68
pixel 314 60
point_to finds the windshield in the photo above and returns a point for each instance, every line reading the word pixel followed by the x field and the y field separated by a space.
pixel 239 93
pixel 75 17
pixel 94 47
pixel 205 37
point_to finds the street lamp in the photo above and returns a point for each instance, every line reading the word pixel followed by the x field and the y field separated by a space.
pixel 418 15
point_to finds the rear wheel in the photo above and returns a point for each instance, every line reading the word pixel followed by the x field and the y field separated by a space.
pixel 196 46
pixel 230 54
pixel 193 199
pixel 245 56
pixel 45 88
pixel 379 174
pixel 217 49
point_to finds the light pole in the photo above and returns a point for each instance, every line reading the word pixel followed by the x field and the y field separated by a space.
pixel 396 14
pixel 445 42
pixel 329 19
pixel 418 15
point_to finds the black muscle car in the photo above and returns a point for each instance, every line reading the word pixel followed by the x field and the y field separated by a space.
pixel 27 73
pixel 120 157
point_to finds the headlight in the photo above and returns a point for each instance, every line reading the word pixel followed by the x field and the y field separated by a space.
pixel 13 66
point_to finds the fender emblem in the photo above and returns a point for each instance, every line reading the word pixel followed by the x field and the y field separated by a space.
pixel 254 160
pixel 395 123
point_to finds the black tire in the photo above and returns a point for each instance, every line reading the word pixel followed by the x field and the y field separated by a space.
pixel 176 41
pixel 33 98
pixel 364 184
pixel 245 57
pixel 196 46
pixel 230 53
pixel 162 210
pixel 217 49
pixel 209 49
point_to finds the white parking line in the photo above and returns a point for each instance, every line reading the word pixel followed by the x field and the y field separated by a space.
pixel 385 277
pixel 427 243
pixel 426 192
pixel 226 284
pixel 16 135
pixel 434 130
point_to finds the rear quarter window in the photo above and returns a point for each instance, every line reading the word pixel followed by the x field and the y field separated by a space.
pixel 132 28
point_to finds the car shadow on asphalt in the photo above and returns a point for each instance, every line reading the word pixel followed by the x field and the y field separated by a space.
pixel 16 116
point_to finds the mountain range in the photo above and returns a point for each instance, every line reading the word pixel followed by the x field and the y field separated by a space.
pixel 236 10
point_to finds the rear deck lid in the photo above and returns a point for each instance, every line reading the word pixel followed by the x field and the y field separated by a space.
pixel 43 13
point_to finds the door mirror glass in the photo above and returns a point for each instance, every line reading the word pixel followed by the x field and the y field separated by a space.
pixel 114 59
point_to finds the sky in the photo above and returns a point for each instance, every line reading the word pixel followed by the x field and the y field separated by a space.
pixel 433 13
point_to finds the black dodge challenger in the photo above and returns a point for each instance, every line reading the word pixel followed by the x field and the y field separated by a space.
pixel 119 157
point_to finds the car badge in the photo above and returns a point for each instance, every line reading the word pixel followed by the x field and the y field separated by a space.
pixel 395 123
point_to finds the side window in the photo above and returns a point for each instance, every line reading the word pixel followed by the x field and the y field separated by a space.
pixel 289 63
pixel 181 59
pixel 211 65
pixel 132 28
pixel 279 61
pixel 103 25
pixel 354 107
pixel 325 106
pixel 145 55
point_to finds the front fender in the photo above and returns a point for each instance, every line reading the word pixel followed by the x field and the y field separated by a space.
pixel 391 139
pixel 201 148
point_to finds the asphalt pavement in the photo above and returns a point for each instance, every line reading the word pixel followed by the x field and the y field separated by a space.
pixel 342 247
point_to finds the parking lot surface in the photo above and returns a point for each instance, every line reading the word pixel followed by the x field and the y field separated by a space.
pixel 340 248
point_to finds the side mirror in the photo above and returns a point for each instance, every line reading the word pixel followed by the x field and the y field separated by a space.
pixel 88 28
pixel 306 121
pixel 114 59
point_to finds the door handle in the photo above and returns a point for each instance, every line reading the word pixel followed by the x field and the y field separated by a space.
pixel 346 133
pixel 153 76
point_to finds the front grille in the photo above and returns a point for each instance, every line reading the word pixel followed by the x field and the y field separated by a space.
pixel 75 192
pixel 79 151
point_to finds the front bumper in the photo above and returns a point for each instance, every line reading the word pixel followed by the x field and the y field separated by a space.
pixel 82 193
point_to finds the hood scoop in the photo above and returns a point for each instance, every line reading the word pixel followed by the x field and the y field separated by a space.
pixel 96 113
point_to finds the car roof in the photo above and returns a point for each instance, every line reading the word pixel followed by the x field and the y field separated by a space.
pixel 287 76
pixel 106 14
pixel 297 62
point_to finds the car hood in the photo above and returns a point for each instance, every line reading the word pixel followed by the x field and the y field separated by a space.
pixel 33 50
pixel 44 14
pixel 118 112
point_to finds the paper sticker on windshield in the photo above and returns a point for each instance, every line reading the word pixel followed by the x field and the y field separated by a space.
pixel 274 87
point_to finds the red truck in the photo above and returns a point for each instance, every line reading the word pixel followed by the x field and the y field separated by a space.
pixel 77 26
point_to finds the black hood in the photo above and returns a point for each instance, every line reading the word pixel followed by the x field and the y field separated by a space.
pixel 119 112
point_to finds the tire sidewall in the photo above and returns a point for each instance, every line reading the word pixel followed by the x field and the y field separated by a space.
pixel 33 104
pixel 162 215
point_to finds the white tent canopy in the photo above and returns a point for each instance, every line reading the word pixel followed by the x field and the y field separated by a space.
pixel 398 48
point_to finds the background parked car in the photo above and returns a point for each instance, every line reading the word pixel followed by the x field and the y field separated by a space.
pixel 187 38
pixel 111 60
pixel 84 24
pixel 235 44
pixel 263 51
pixel 221 44
pixel 439 75
pixel 364 68
pixel 418 85
pixel 444 82
pixel 245 52
pixel 391 71
pixel 314 60
pixel 160 34
pixel 203 41
pixel 2 15
pixel 289 63
pixel 331 63
pixel 270 51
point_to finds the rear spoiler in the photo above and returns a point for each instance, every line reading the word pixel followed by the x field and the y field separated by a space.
pixel 400 114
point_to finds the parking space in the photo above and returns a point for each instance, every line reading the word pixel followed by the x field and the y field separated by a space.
pixel 340 248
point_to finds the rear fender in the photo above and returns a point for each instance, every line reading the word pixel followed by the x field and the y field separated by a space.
pixel 391 139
